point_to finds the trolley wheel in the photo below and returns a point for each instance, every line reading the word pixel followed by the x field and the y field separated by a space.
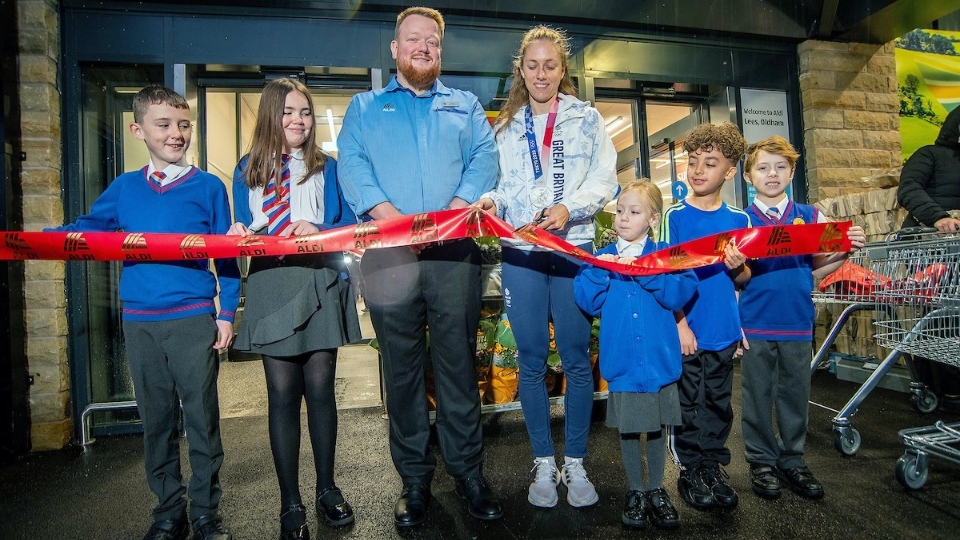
pixel 925 402
pixel 911 472
pixel 847 444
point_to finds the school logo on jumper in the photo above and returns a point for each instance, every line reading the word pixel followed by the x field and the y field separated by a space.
pixel 389 107
pixel 133 243
pixel 679 258
pixel 423 229
pixel 831 239
pixel 722 240
pixel 13 241
pixel 778 235
pixel 361 231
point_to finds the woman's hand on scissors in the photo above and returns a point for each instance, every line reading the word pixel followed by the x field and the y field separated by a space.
pixel 554 218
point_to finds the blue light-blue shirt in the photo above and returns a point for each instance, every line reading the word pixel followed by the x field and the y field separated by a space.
pixel 417 152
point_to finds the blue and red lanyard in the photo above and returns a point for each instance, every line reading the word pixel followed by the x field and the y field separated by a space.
pixel 547 137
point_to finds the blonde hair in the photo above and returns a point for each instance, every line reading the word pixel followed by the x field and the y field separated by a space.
pixel 519 95
pixel 775 145
pixel 266 149
pixel 724 137
pixel 650 196
pixel 429 13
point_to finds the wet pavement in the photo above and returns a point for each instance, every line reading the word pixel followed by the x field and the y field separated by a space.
pixel 102 494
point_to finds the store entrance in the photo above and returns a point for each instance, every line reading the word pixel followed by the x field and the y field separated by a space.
pixel 647 124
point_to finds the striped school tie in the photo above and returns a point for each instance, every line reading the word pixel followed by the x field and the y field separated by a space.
pixel 773 213
pixel 158 177
pixel 276 203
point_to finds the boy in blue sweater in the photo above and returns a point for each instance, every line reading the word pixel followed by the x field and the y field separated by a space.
pixel 775 369
pixel 709 324
pixel 171 328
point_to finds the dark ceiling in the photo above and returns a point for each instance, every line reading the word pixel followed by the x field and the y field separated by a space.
pixel 868 21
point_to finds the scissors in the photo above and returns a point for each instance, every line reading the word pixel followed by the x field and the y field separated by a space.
pixel 540 217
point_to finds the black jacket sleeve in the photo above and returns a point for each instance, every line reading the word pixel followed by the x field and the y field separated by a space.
pixel 918 191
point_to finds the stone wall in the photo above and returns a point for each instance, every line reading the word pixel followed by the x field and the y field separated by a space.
pixel 46 320
pixel 851 138
pixel 850 115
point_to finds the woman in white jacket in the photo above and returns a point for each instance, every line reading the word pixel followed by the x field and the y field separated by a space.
pixel 557 170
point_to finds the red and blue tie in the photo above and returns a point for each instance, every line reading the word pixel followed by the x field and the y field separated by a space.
pixel 276 201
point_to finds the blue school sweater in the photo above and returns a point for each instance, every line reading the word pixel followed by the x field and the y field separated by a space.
pixel 776 304
pixel 166 290
pixel 639 343
pixel 712 314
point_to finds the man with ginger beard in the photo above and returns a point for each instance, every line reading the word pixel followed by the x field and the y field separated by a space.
pixel 417 146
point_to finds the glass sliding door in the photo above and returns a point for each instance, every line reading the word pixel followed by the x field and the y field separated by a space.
pixel 100 371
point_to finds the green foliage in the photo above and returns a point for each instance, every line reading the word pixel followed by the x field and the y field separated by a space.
pixel 605 233
pixel 918 40
pixel 912 102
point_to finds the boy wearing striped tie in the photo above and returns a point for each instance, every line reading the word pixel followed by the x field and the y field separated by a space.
pixel 171 327
pixel 777 314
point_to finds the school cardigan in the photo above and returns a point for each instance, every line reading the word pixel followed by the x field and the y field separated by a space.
pixel 775 305
pixel 336 213
pixel 639 342
pixel 167 290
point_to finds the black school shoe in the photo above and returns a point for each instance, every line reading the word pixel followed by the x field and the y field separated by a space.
pixel 662 512
pixel 333 509
pixel 293 523
pixel 482 503
pixel 210 527
pixel 693 491
pixel 636 510
pixel 411 507
pixel 715 477
pixel 801 481
pixel 764 481
pixel 169 529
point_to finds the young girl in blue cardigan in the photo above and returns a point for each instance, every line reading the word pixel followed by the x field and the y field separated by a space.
pixel 639 350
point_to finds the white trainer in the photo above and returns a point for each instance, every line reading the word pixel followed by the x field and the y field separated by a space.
pixel 546 478
pixel 580 492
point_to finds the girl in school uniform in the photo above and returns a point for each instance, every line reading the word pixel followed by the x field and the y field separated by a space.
pixel 298 308
pixel 639 350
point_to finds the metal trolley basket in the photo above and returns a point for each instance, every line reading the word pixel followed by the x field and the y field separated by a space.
pixel 922 307
pixel 911 281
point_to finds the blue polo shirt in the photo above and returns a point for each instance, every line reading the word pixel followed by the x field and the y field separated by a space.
pixel 417 152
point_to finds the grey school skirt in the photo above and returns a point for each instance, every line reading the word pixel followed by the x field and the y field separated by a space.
pixel 296 305
pixel 642 412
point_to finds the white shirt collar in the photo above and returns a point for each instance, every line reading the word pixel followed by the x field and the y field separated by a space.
pixel 780 206
pixel 173 172
pixel 631 249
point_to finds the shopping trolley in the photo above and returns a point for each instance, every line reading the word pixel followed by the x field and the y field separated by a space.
pixel 910 281
pixel 939 440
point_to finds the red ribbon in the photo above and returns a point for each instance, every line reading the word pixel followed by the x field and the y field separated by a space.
pixel 756 242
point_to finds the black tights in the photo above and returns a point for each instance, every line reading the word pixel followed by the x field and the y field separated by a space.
pixel 289 381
